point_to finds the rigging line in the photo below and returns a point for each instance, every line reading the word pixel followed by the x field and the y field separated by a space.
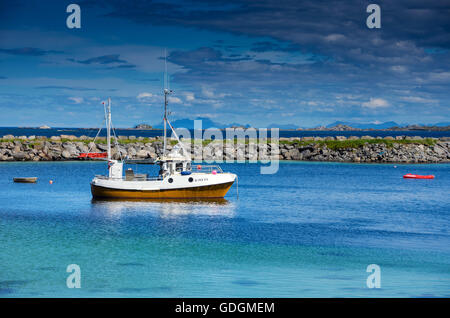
pixel 100 129
pixel 116 142
pixel 176 136
pixel 89 133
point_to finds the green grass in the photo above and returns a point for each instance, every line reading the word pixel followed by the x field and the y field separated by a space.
pixel 358 143
pixel 331 144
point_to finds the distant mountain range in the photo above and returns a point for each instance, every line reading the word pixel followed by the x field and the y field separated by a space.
pixel 443 124
pixel 283 126
pixel 206 124
pixel 209 123
pixel 384 125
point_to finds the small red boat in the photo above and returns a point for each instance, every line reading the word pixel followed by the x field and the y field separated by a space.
pixel 417 176
pixel 93 155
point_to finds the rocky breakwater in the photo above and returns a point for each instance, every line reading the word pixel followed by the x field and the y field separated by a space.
pixel 338 149
pixel 367 149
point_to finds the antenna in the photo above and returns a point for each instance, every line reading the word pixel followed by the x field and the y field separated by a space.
pixel 165 70
pixel 166 92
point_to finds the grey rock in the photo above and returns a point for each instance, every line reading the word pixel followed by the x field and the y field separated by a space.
pixel 19 155
pixel 440 152
pixel 65 154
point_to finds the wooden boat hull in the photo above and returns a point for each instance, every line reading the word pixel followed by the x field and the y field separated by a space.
pixel 25 180
pixel 208 191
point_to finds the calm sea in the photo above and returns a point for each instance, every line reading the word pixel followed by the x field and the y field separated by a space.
pixel 310 230
pixel 91 132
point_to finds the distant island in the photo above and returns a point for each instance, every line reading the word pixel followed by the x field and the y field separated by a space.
pixel 143 126
pixel 44 127
pixel 417 127
pixel 341 127
pixel 335 126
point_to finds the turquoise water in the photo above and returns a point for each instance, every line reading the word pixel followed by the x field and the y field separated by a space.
pixel 308 231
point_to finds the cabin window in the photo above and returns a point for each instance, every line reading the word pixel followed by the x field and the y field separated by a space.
pixel 170 180
pixel 179 167
pixel 191 179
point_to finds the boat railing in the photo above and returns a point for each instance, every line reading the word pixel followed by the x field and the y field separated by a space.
pixel 135 178
pixel 207 168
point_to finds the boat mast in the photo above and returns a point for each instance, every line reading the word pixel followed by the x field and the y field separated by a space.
pixel 166 92
pixel 108 128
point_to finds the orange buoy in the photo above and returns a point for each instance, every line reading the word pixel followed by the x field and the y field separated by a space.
pixel 199 167
pixel 51 182
pixel 417 176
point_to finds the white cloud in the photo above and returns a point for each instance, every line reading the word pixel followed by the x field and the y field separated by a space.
pixel 438 77
pixel 417 99
pixel 210 93
pixel 76 100
pixel 144 95
pixel 399 68
pixel 207 92
pixel 207 115
pixel 376 103
pixel 334 37
pixel 190 97
pixel 174 100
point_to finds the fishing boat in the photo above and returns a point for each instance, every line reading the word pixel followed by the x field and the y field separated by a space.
pixel 177 178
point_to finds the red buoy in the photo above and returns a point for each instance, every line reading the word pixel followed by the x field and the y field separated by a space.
pixel 93 155
pixel 417 176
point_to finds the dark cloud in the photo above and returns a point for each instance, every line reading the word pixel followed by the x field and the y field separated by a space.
pixel 293 53
pixel 296 21
pixel 113 61
pixel 73 88
pixel 327 43
pixel 336 29
pixel 124 66
pixel 147 79
pixel 267 46
pixel 202 56
pixel 104 59
pixel 29 51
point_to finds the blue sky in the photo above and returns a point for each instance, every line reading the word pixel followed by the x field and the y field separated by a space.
pixel 253 62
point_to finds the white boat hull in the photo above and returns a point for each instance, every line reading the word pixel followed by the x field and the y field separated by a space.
pixel 195 185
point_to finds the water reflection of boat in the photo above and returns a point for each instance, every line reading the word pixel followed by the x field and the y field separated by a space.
pixel 216 201
pixel 165 208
